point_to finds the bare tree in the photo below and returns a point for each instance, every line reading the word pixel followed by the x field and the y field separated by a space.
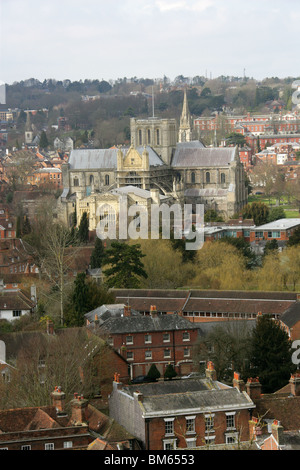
pixel 66 359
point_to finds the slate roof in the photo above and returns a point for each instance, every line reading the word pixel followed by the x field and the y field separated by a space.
pixel 107 311
pixel 147 323
pixel 189 157
pixel 206 300
pixel 94 159
pixel 292 315
pixel 166 398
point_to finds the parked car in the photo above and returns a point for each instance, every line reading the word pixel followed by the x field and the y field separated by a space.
pixel 141 379
pixel 192 375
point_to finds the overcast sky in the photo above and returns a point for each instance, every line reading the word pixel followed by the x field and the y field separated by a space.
pixel 109 39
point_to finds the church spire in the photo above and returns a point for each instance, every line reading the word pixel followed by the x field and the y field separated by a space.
pixel 185 127
pixel 28 130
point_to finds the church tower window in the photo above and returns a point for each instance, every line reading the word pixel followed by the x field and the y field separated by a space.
pixel 106 180
pixel 76 181
pixel 140 137
pixel 157 137
pixel 223 178
pixel 149 136
pixel 193 177
pixel 207 177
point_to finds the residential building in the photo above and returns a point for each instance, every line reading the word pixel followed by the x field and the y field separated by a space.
pixel 153 339
pixel 275 422
pixel 53 428
pixel 208 305
pixel 183 414
pixel 290 320
pixel 14 305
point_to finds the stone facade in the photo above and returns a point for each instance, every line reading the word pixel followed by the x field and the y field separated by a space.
pixel 163 158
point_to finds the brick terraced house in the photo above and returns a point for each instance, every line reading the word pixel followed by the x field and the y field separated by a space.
pixel 53 428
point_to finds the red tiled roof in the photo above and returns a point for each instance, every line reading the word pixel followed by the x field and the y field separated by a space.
pixel 21 419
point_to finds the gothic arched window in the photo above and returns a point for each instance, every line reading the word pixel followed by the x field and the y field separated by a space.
pixel 106 180
pixel 157 137
pixel 193 177
pixel 207 177
pixel 140 137
pixel 149 136
pixel 223 178
pixel 76 181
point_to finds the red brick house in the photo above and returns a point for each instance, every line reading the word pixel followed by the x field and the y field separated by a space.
pixel 46 427
pixel 181 414
pixel 158 339
pixel 275 423
pixel 290 320
pixel 53 428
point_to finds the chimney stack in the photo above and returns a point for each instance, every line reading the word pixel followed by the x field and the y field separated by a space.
pixel 254 428
pixel 127 311
pixel 117 385
pixel 58 400
pixel 50 327
pixel 79 410
pixel 210 371
pixel 138 395
pixel 253 388
pixel 295 384
pixel 153 311
pixel 238 382
pixel 277 431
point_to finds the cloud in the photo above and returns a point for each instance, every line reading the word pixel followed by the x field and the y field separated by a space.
pixel 184 5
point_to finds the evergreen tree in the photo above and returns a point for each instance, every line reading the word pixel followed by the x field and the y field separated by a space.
pixel 153 372
pixel 125 266
pixel 271 357
pixel 83 229
pixel 85 296
pixel 258 211
pixel 43 140
pixel 80 299
pixel 97 255
pixel 169 372
pixel 294 238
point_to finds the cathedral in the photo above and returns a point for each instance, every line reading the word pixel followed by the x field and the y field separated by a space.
pixel 163 159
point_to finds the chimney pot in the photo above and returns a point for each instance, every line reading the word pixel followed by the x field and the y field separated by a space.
pixel 238 382
pixel 153 311
pixel 210 371
pixel 295 384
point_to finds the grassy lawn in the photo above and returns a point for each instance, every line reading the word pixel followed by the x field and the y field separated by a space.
pixel 290 214
pixel 290 210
